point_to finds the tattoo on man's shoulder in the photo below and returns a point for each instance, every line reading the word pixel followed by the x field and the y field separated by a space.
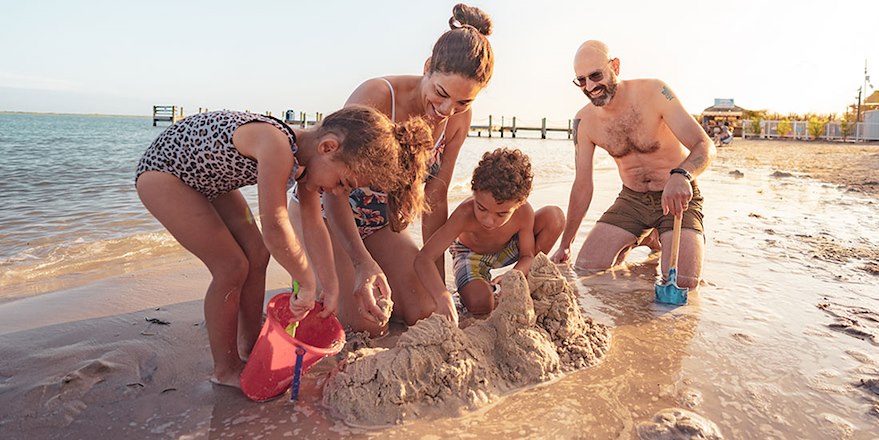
pixel 575 130
pixel 667 93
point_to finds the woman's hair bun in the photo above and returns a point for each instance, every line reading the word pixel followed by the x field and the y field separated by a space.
pixel 463 15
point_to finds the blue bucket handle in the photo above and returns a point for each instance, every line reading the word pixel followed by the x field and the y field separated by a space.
pixel 297 373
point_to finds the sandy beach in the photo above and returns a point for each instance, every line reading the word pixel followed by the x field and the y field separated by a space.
pixel 781 342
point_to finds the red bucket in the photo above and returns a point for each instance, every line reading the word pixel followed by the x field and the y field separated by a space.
pixel 272 365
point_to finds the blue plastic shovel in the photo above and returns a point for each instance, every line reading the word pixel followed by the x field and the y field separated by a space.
pixel 670 293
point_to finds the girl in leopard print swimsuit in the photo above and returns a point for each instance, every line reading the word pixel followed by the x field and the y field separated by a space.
pixel 189 179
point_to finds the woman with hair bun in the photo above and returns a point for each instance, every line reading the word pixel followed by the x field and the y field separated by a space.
pixel 373 260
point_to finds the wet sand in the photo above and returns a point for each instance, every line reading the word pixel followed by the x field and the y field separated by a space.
pixel 780 342
pixel 853 166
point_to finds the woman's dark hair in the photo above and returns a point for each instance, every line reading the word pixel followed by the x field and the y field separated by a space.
pixel 465 50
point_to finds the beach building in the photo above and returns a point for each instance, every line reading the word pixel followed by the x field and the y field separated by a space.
pixel 870 103
pixel 723 110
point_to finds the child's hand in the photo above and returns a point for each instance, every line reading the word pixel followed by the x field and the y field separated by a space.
pixel 303 302
pixel 330 298
pixel 446 307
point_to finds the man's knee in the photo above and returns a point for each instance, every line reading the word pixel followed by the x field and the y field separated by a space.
pixel 589 263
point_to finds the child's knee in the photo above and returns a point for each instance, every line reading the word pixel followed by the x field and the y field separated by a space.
pixel 478 303
pixel 259 258
pixel 557 217
pixel 233 272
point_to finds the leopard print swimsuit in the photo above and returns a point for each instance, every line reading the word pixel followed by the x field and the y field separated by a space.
pixel 199 151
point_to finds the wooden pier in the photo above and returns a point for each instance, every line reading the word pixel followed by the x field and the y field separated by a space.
pixel 302 121
pixel 512 129
pixel 167 113
pixel 173 113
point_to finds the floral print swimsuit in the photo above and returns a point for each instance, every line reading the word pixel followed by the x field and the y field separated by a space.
pixel 370 207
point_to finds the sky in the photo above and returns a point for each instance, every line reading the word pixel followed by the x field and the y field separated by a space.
pixel 123 57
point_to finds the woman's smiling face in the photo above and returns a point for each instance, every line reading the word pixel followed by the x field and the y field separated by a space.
pixel 447 94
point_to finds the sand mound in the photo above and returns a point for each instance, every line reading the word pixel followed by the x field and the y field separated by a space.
pixel 678 424
pixel 437 369
pixel 860 322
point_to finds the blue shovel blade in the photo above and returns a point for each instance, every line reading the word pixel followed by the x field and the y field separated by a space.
pixel 670 293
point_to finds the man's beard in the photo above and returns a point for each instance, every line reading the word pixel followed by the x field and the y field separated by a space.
pixel 607 94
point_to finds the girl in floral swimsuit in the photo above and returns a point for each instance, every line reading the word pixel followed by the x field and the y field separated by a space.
pixel 189 179
pixel 380 264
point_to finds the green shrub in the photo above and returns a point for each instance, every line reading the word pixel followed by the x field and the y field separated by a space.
pixel 756 127
pixel 817 127
pixel 846 126
pixel 783 128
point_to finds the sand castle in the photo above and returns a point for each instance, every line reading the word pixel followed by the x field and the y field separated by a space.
pixel 535 334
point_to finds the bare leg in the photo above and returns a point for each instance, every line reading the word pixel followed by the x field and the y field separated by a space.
pixel 477 297
pixel 689 257
pixel 236 214
pixel 195 223
pixel 549 222
pixel 602 246
pixel 651 241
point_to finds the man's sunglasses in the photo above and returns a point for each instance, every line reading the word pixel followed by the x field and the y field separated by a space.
pixel 595 77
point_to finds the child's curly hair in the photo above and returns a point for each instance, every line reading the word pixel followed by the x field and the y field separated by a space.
pixel 504 172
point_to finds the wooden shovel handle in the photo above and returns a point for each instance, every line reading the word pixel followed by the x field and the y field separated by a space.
pixel 675 243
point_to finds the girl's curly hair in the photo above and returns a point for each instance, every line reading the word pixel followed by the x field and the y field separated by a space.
pixel 386 156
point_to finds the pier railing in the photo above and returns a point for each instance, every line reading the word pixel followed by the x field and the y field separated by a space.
pixel 167 113
pixel 513 127
pixel 833 131
pixel 493 126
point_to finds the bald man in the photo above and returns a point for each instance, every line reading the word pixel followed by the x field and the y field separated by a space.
pixel 659 150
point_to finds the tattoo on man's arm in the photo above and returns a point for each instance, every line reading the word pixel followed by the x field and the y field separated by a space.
pixel 698 161
pixel 667 93
pixel 575 130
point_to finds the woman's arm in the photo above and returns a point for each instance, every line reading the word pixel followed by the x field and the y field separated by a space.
pixel 436 191
pixel 369 276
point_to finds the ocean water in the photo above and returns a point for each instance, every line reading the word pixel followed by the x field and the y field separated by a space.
pixel 69 213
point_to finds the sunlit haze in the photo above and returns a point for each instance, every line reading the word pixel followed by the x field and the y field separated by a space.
pixel 120 57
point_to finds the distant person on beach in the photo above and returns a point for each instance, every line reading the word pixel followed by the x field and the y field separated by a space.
pixel 189 179
pixel 371 258
pixel 659 150
pixel 723 135
pixel 494 228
